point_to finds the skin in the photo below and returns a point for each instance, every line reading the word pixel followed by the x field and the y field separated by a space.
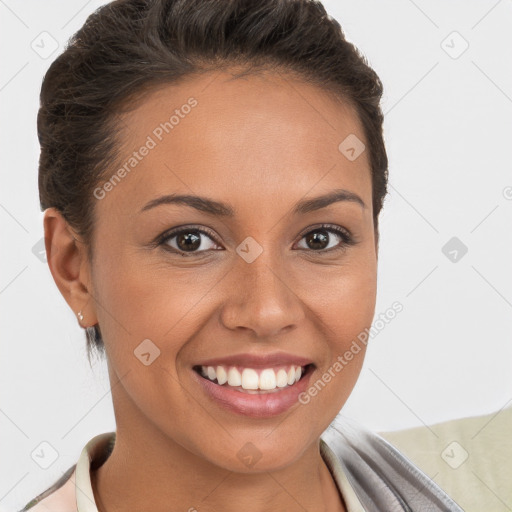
pixel 260 144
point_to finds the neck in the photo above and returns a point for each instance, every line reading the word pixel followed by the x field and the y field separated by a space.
pixel 162 475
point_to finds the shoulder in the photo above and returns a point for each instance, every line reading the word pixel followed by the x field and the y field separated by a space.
pixel 382 477
pixel 59 497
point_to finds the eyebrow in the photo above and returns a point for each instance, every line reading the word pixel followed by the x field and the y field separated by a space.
pixel 217 208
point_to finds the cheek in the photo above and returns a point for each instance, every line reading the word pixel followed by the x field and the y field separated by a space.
pixel 139 300
pixel 345 299
pixel 345 313
pixel 142 307
pixel 353 306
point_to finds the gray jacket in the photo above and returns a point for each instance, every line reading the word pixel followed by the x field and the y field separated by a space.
pixel 383 479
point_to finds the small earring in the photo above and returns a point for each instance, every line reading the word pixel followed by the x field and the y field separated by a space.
pixel 80 316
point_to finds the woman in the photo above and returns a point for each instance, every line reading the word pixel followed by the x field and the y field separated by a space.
pixel 212 175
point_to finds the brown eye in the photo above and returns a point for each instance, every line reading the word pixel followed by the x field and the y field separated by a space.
pixel 317 240
pixel 189 240
pixel 325 238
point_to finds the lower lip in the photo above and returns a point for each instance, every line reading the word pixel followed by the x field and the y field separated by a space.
pixel 260 405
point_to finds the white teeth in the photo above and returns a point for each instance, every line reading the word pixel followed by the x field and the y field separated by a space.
pixel 249 379
pixel 234 377
pixel 268 379
pixel 222 376
pixel 281 378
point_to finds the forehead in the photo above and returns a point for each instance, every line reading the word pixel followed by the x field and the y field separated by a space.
pixel 261 135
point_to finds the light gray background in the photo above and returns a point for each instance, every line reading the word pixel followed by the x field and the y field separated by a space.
pixel 448 131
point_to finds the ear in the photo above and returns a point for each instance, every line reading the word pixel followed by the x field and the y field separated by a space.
pixel 67 258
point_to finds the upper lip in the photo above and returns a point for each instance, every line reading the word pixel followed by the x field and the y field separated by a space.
pixel 257 360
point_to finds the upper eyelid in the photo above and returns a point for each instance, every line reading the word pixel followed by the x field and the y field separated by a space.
pixel 171 233
pixel 326 225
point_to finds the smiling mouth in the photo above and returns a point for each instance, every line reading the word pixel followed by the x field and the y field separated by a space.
pixel 254 380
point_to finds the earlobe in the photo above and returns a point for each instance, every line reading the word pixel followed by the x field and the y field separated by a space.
pixel 69 266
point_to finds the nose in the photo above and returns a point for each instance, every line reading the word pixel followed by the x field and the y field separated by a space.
pixel 260 297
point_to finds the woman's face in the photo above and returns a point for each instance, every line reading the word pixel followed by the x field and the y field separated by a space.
pixel 256 276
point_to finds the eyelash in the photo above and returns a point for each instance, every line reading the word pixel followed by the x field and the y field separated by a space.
pixel 347 239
